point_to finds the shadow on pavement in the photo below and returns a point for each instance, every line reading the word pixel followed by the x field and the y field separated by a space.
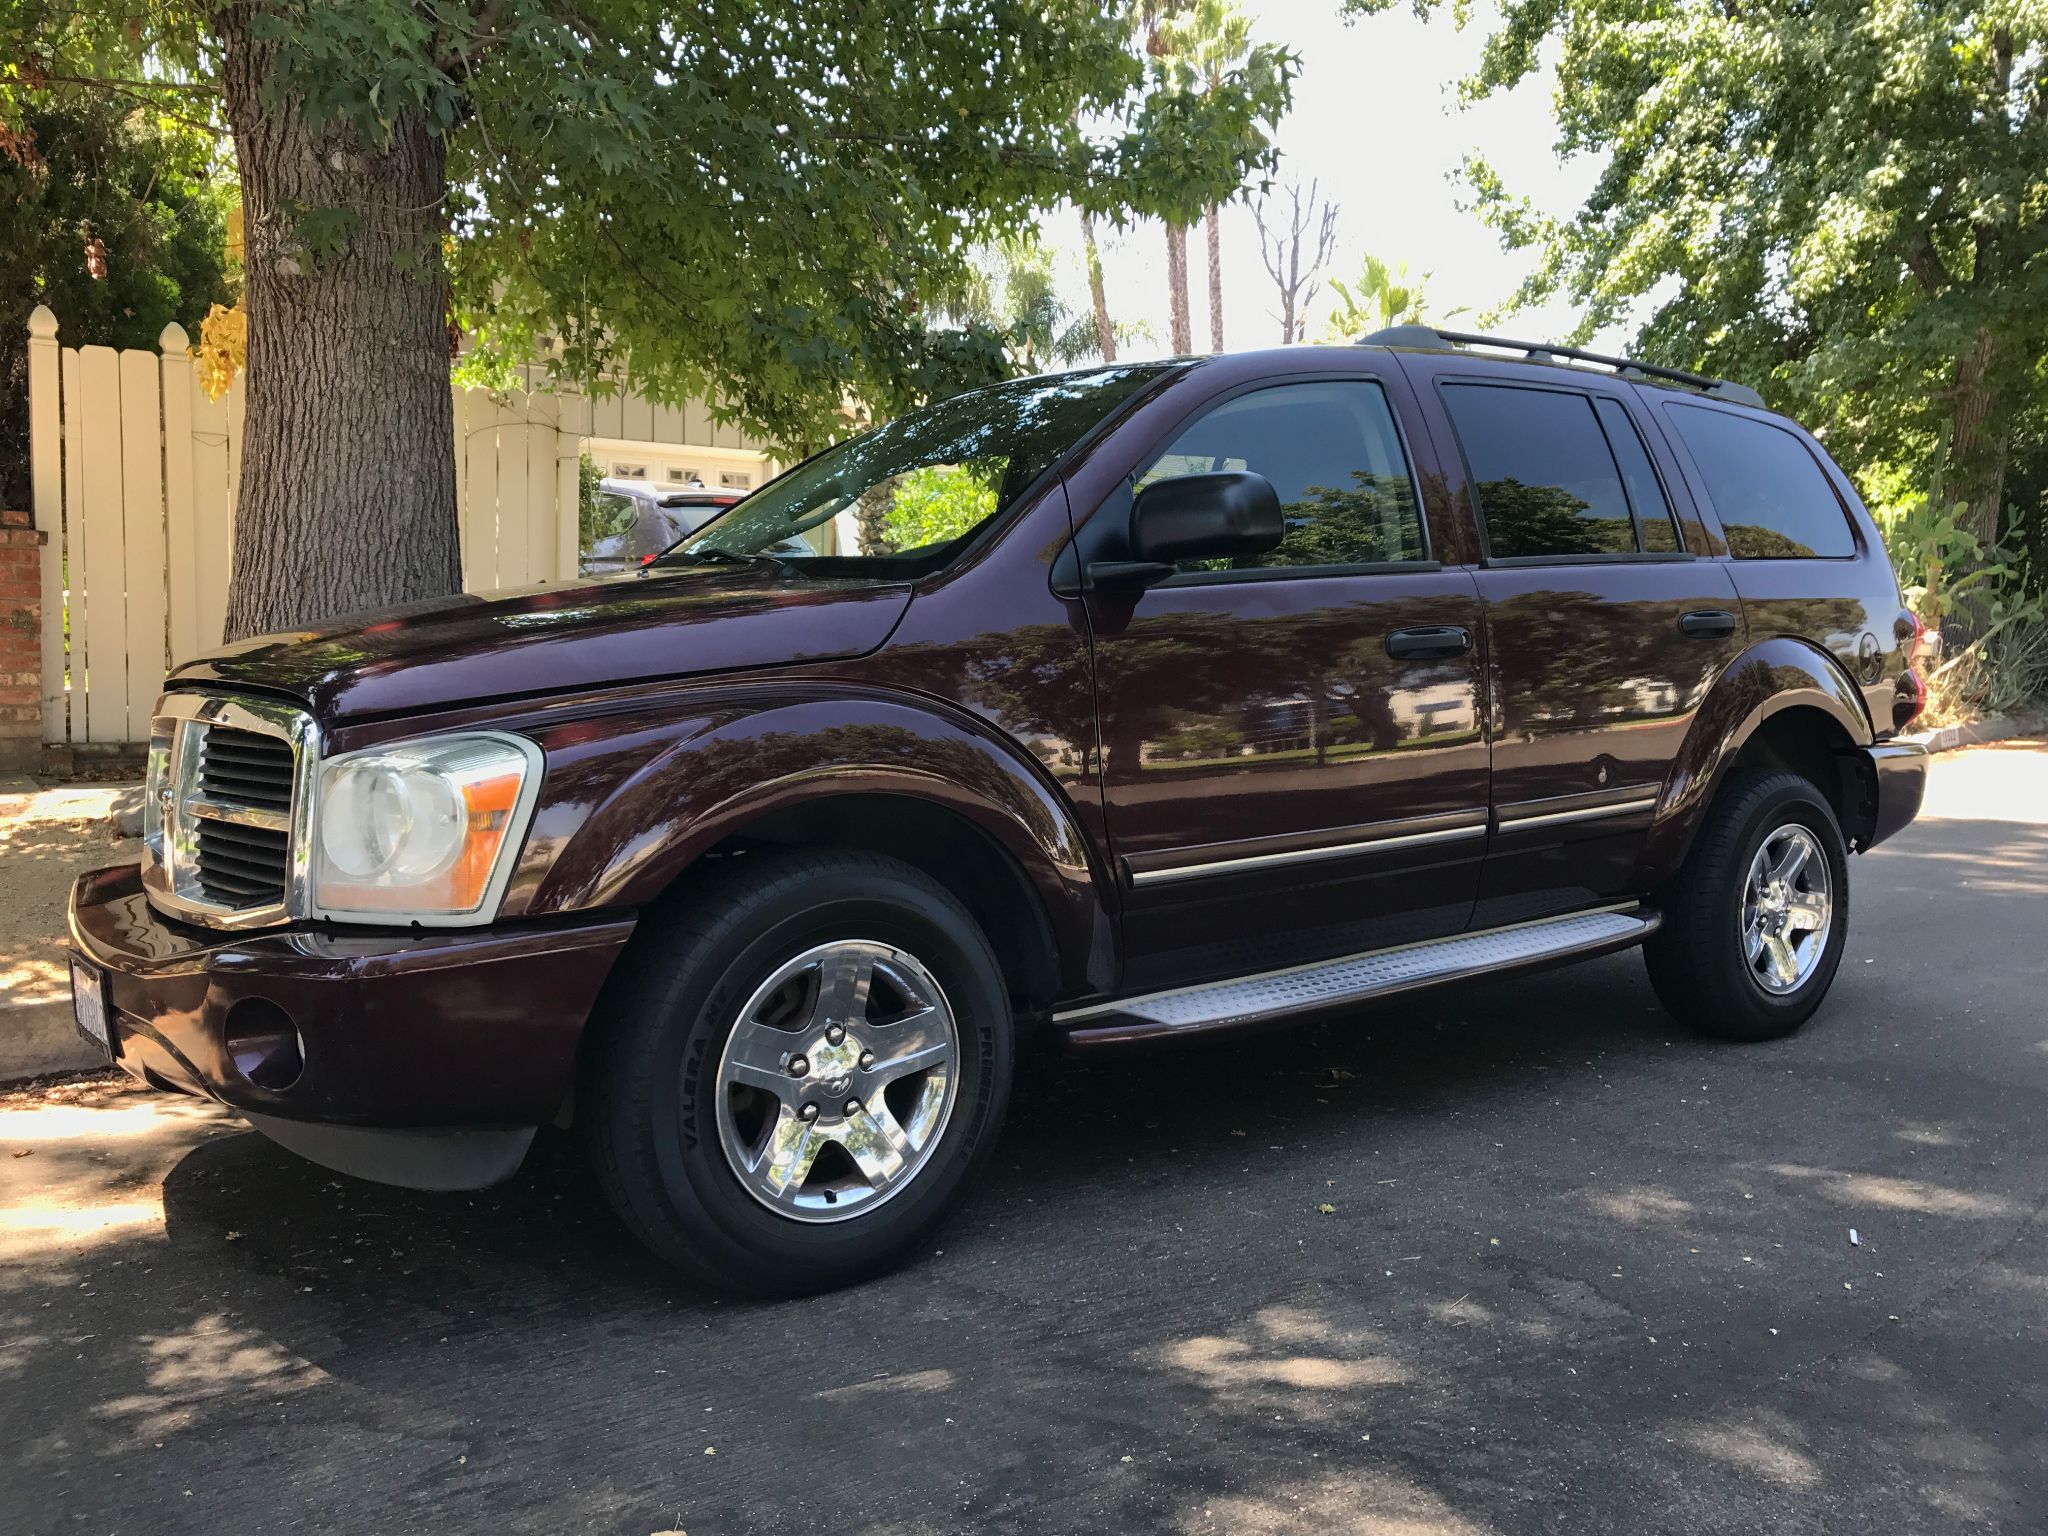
pixel 1518 1257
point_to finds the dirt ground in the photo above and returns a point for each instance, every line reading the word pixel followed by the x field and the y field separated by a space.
pixel 48 838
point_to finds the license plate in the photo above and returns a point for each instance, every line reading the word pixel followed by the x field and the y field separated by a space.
pixel 89 1003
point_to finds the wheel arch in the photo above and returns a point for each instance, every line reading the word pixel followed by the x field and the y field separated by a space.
pixel 922 784
pixel 985 875
pixel 1784 702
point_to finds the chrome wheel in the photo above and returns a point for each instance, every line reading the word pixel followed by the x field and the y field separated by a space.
pixel 1788 909
pixel 836 1083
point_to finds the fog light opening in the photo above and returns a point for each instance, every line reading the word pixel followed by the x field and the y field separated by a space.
pixel 264 1044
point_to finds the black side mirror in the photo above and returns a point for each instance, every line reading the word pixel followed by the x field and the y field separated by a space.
pixel 1195 517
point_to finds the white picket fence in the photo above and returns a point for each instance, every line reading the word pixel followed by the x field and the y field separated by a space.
pixel 134 474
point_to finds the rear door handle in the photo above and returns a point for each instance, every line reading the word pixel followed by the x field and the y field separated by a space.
pixel 1429 642
pixel 1707 624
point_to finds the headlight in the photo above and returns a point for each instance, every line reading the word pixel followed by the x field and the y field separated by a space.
pixel 424 831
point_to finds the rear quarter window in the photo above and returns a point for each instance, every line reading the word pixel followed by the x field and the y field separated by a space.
pixel 1772 498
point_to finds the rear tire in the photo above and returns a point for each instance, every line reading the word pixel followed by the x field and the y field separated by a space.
pixel 726 1128
pixel 1756 921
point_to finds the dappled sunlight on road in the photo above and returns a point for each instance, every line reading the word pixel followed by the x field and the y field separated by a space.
pixel 1641 1205
pixel 1359 1502
pixel 204 1363
pixel 83 1168
pixel 1760 1444
pixel 110 1117
pixel 1228 1366
pixel 1880 1192
pixel 884 1385
pixel 64 1224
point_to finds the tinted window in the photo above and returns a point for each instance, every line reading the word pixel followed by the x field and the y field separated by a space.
pixel 1772 499
pixel 1334 457
pixel 1545 480
pixel 1645 494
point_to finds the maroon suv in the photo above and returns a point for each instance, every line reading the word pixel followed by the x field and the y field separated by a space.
pixel 1112 706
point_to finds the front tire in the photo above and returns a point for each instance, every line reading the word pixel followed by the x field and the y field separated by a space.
pixel 798 1070
pixel 1756 921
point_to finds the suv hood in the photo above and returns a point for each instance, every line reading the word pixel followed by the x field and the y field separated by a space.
pixel 558 639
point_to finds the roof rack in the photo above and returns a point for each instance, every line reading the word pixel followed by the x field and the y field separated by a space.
pixel 1429 339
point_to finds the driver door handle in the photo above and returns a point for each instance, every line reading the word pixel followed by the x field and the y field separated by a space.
pixel 1429 642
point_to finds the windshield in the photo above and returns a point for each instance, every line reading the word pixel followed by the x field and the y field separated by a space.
pixel 902 499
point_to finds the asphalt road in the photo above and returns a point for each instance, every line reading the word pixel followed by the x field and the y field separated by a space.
pixel 1578 1273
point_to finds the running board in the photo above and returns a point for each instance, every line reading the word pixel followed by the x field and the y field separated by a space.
pixel 1248 1000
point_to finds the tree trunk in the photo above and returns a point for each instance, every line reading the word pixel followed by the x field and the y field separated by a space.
pixel 1177 288
pixel 871 518
pixel 1213 224
pixel 1105 333
pixel 347 496
pixel 1976 454
pixel 1976 469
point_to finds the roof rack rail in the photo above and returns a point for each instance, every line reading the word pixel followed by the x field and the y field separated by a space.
pixel 1429 339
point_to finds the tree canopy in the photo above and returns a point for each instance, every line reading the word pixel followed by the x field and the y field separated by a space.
pixel 1842 202
pixel 748 201
pixel 755 205
pixel 112 215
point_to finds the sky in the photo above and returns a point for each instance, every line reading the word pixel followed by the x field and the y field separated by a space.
pixel 1376 121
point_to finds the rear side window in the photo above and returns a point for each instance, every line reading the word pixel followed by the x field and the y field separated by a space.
pixel 1772 499
pixel 1653 513
pixel 1545 479
pixel 1333 455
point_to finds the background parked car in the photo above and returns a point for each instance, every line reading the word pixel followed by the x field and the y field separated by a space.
pixel 645 519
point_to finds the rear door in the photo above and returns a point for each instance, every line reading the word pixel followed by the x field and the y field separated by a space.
pixel 1608 618
pixel 1293 766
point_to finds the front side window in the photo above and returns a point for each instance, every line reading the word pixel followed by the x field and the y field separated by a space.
pixel 1772 499
pixel 901 500
pixel 1544 477
pixel 1334 457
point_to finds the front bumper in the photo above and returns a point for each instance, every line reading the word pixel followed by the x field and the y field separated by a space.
pixel 1898 782
pixel 326 1037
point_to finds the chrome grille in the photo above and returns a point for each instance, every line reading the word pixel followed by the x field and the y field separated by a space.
pixel 228 798
pixel 243 866
pixel 242 767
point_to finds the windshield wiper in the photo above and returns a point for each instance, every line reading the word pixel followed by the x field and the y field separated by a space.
pixel 712 555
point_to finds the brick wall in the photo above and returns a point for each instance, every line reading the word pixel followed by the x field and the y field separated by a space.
pixel 21 645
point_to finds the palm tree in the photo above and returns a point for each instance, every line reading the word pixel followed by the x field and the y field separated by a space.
pixel 1013 294
pixel 1214 36
pixel 1105 331
pixel 1383 295
pixel 1154 19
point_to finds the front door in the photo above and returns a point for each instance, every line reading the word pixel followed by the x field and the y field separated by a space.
pixel 1605 631
pixel 1293 763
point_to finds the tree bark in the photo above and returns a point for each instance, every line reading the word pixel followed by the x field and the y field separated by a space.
pixel 1213 225
pixel 1177 286
pixel 1976 459
pixel 1976 453
pixel 871 518
pixel 1105 333
pixel 347 497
